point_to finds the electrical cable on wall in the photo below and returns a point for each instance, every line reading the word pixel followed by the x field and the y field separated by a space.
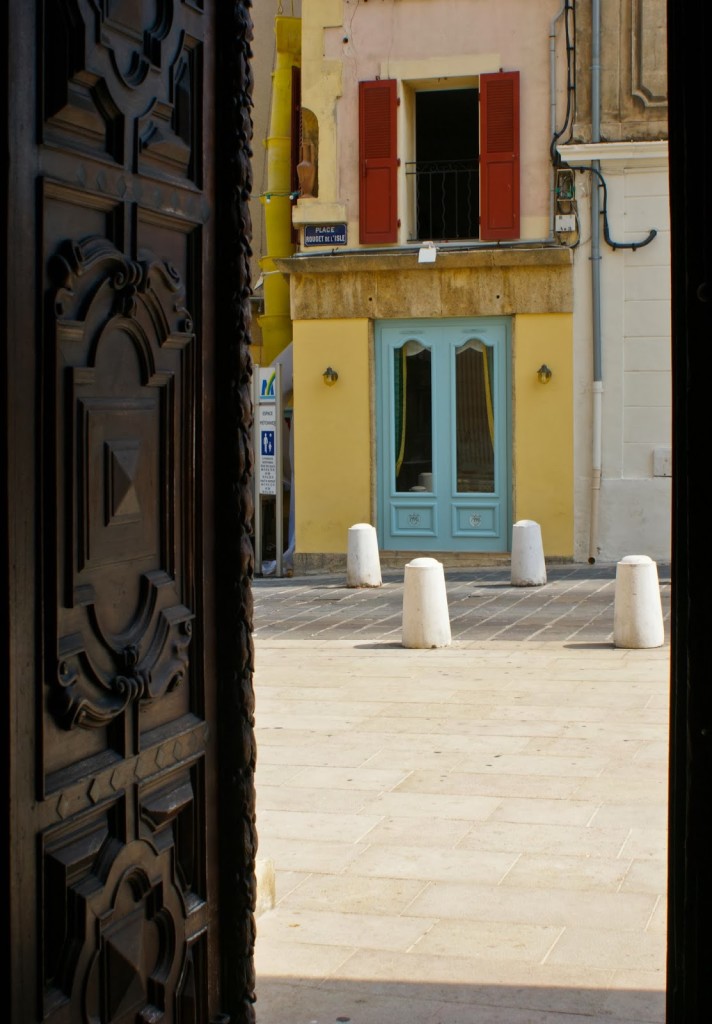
pixel 560 164
pixel 570 33
pixel 564 189
pixel 604 213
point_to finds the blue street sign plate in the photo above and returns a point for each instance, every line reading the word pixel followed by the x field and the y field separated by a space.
pixel 325 234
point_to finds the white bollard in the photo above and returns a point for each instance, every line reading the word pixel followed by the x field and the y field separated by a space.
pixel 637 608
pixel 426 621
pixel 528 565
pixel 363 566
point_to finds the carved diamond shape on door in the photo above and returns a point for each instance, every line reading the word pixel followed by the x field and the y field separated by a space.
pixel 124 331
pixel 121 481
pixel 122 505
pixel 123 956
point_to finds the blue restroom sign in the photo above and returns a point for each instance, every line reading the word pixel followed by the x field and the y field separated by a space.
pixel 266 440
pixel 268 460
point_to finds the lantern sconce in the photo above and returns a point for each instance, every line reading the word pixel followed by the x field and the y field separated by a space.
pixel 330 376
pixel 544 374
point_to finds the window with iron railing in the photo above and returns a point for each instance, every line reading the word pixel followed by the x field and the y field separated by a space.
pixel 445 172
pixel 447 199
pixel 463 182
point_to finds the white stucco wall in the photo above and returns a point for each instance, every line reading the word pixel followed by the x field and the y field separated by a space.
pixel 635 501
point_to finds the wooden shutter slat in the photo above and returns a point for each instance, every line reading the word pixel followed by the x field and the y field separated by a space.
pixel 378 221
pixel 499 156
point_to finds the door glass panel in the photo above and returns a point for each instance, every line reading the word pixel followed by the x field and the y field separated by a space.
pixel 474 429
pixel 413 417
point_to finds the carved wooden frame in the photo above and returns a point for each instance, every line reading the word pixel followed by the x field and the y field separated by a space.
pixel 234 513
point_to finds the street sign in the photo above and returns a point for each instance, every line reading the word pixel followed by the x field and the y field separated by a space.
pixel 325 234
pixel 267 381
pixel 268 448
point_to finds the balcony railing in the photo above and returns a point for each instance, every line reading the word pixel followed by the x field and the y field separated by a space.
pixel 447 199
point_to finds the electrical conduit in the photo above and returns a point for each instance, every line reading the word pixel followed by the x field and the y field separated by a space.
pixel 552 105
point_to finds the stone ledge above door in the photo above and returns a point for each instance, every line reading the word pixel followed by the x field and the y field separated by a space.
pixel 476 282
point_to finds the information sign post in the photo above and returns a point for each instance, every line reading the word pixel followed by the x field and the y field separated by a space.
pixel 267 446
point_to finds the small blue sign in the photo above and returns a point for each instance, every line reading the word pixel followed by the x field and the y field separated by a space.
pixel 268 442
pixel 325 234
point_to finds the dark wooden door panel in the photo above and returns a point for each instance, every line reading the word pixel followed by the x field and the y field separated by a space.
pixel 123 856
pixel 121 340
pixel 114 682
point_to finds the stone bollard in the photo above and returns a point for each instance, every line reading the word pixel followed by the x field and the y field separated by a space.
pixel 528 565
pixel 363 566
pixel 637 608
pixel 426 621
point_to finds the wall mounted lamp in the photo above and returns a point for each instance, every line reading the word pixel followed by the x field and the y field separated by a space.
pixel 544 374
pixel 330 376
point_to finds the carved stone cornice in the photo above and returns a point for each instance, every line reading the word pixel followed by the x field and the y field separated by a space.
pixel 620 154
pixel 649 52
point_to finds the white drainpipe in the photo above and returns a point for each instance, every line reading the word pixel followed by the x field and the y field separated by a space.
pixel 597 387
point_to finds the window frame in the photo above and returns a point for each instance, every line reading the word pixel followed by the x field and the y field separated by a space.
pixel 403 198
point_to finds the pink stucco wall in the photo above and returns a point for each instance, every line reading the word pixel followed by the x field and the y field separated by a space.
pixel 515 33
pixel 426 28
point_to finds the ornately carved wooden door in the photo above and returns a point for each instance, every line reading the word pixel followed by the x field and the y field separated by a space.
pixel 111 657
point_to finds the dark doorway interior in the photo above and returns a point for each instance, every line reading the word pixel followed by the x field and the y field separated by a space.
pixel 446 165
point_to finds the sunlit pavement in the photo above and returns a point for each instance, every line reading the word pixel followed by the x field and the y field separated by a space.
pixel 475 833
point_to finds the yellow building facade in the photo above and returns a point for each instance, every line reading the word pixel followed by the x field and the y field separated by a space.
pixel 429 277
pixel 335 437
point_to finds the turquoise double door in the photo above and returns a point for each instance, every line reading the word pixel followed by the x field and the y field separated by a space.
pixel 444 434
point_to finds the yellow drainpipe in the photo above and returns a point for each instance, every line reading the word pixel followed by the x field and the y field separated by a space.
pixel 275 322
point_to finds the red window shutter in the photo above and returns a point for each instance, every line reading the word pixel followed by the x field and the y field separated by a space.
pixel 499 156
pixel 378 219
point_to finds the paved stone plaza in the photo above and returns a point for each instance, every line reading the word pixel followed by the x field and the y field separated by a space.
pixel 474 834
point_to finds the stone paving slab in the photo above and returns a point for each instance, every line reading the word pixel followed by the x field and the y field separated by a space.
pixel 469 834
pixel 575 605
